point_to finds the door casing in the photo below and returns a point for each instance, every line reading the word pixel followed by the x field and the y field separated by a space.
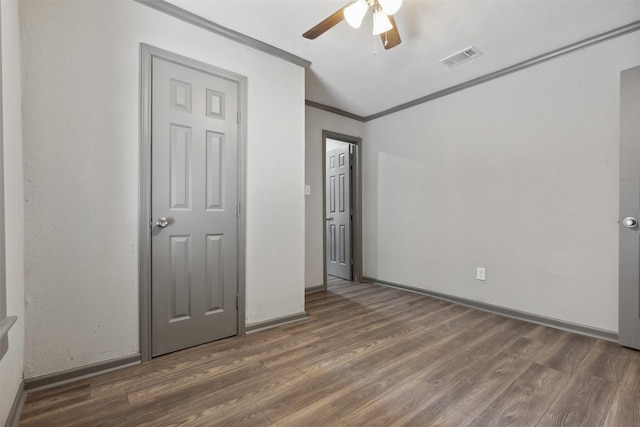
pixel 356 197
pixel 147 53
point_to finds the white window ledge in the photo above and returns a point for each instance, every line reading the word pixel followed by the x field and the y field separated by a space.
pixel 6 324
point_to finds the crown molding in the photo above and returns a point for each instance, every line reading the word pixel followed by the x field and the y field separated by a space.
pixel 179 13
pixel 588 42
pixel 198 21
pixel 334 110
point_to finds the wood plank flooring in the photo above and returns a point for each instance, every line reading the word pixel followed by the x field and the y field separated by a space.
pixel 367 356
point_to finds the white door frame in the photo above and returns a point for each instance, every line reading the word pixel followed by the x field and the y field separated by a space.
pixel 356 205
pixel 147 53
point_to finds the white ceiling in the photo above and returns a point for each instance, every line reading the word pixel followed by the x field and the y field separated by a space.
pixel 346 73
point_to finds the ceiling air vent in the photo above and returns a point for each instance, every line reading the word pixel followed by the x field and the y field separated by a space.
pixel 460 57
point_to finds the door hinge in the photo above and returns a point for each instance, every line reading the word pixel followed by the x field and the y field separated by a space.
pixel 239 117
pixel 237 302
pixel 238 210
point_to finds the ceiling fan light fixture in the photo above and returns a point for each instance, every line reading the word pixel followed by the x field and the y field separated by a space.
pixel 381 23
pixel 390 7
pixel 354 13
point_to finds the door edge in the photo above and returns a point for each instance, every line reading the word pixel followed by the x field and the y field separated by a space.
pixel 628 269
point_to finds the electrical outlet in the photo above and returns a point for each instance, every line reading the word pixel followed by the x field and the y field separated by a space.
pixel 480 273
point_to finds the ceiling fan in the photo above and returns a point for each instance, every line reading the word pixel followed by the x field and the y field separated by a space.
pixel 353 13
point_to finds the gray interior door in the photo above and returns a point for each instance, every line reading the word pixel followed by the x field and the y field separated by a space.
pixel 194 205
pixel 629 293
pixel 338 212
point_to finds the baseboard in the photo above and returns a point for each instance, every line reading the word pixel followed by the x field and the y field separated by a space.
pixel 16 409
pixel 314 289
pixel 503 311
pixel 268 324
pixel 64 377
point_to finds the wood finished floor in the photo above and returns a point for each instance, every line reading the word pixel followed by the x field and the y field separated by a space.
pixel 367 356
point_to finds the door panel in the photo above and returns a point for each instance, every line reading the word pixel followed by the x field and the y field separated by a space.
pixel 179 167
pixel 215 169
pixel 215 278
pixel 180 280
pixel 629 272
pixel 338 215
pixel 195 187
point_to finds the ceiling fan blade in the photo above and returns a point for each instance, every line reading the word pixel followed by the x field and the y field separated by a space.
pixel 325 25
pixel 392 37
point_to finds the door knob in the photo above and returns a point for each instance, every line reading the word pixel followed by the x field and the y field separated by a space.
pixel 630 222
pixel 162 222
pixel 330 218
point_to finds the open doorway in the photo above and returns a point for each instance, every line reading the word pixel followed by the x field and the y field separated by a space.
pixel 341 207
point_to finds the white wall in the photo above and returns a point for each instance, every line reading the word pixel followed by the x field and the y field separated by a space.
pixel 317 121
pixel 81 113
pixel 11 366
pixel 518 175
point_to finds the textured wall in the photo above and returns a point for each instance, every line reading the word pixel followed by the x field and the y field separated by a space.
pixel 518 175
pixel 81 114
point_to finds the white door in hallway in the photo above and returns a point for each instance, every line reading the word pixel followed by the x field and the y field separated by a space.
pixel 194 206
pixel 338 212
